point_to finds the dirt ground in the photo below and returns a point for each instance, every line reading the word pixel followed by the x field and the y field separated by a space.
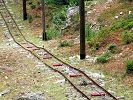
pixel 20 73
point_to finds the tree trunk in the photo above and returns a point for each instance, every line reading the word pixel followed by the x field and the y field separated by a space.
pixel 82 30
pixel 44 36
pixel 24 10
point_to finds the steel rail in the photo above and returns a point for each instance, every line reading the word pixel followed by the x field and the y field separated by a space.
pixel 89 78
pixel 78 90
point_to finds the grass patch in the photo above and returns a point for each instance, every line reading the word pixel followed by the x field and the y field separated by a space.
pixel 127 37
pixel 98 38
pixel 112 48
pixel 52 32
pixel 129 66
pixel 104 57
pixel 65 43
pixel 126 23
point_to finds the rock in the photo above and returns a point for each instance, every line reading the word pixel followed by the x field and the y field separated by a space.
pixel 31 96
pixel 95 2
pixel 109 1
pixel 5 92
pixel 112 92
pixel 129 12
pixel 6 77
pixel 116 17
pixel 121 13
pixel 61 82
pixel 96 75
pixel 91 59
pixel 89 12
pixel 131 29
pixel 122 97
pixel 72 11
pixel 94 9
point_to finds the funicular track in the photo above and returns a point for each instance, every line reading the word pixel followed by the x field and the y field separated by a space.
pixel 73 76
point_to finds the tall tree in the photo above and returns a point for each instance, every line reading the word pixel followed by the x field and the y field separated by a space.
pixel 24 10
pixel 44 35
pixel 82 29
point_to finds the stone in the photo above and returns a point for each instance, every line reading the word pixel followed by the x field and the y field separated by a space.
pixel 31 96
pixel 129 12
pixel 122 97
pixel 61 82
pixel 96 75
pixel 5 92
pixel 94 9
pixel 112 92
pixel 121 13
pixel 89 12
pixel 91 59
pixel 47 57
pixel 131 29
pixel 6 77
pixel 72 11
pixel 116 17
pixel 109 1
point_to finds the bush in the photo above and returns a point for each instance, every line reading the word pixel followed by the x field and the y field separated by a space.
pixel 112 48
pixel 65 43
pixel 32 4
pixel 127 37
pixel 129 25
pixel 30 19
pixel 52 32
pixel 98 38
pixel 62 2
pixel 59 18
pixel 104 57
pixel 118 25
pixel 129 66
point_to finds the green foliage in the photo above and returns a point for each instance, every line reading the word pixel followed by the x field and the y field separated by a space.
pixel 112 48
pixel 104 57
pixel 65 43
pixel 127 0
pixel 99 37
pixel 125 23
pixel 62 2
pixel 33 4
pixel 127 37
pixel 118 25
pixel 30 19
pixel 129 66
pixel 52 32
pixel 59 18
pixel 128 25
pixel 73 2
pixel 89 33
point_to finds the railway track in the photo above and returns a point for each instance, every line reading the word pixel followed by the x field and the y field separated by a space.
pixel 80 81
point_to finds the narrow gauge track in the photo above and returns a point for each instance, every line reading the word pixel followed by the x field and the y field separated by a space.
pixel 49 59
